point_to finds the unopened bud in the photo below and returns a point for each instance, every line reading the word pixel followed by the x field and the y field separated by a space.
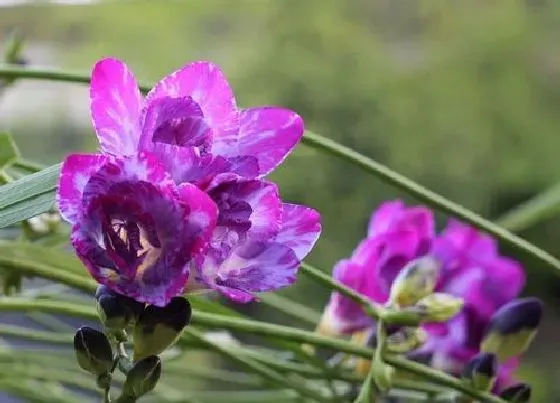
pixel 116 311
pixel 158 328
pixel 93 351
pixel 414 282
pixel 383 375
pixel 406 339
pixel 438 307
pixel 519 393
pixel 142 377
pixel 512 328
pixel 481 371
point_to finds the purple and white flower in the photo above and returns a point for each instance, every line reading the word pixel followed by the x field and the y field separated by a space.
pixel 178 189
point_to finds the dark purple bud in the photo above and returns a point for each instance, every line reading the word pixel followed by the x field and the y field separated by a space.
pixel 517 315
pixel 116 311
pixel 93 351
pixel 519 393
pixel 481 371
pixel 512 328
pixel 159 327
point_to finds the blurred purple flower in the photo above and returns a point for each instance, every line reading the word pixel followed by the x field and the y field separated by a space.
pixel 396 235
pixel 133 228
pixel 186 150
pixel 471 269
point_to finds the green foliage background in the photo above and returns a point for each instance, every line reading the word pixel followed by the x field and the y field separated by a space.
pixel 463 97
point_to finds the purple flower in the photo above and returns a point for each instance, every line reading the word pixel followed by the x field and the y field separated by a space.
pixel 396 235
pixel 259 241
pixel 472 269
pixel 177 189
pixel 192 107
pixel 133 228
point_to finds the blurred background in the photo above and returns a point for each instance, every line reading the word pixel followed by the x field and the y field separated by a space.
pixel 462 96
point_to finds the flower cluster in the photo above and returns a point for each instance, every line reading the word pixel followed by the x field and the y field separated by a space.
pixel 176 199
pixel 471 281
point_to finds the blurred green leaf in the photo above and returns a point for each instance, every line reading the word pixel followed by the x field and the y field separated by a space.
pixel 31 195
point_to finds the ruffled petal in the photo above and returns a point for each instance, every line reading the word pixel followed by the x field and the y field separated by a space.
pixel 300 228
pixel 74 176
pixel 205 83
pixel 268 133
pixel 166 231
pixel 140 167
pixel 252 267
pixel 175 121
pixel 249 206
pixel 116 104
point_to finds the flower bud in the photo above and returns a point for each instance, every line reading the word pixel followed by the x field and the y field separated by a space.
pixel 383 375
pixel 519 393
pixel 481 371
pixel 438 307
pixel 406 339
pixel 93 351
pixel 116 311
pixel 414 282
pixel 512 328
pixel 158 328
pixel 142 377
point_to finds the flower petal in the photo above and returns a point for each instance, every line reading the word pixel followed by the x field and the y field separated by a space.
pixel 268 133
pixel 382 218
pixel 343 314
pixel 300 228
pixel 116 103
pixel 141 167
pixel 75 173
pixel 176 121
pixel 252 267
pixel 247 205
pixel 205 83
pixel 174 230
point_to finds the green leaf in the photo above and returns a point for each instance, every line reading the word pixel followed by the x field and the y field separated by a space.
pixel 9 152
pixel 29 196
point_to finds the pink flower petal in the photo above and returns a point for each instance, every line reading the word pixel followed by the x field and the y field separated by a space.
pixel 141 167
pixel 268 133
pixel 300 228
pixel 247 205
pixel 175 121
pixel 202 217
pixel 75 174
pixel 382 218
pixel 116 103
pixel 205 83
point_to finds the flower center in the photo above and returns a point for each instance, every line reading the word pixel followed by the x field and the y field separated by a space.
pixel 138 247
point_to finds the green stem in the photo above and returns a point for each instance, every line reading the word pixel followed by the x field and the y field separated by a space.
pixel 261 328
pixel 258 368
pixel 13 72
pixel 427 196
pixel 328 281
pixel 27 166
pixel 369 391
pixel 79 282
